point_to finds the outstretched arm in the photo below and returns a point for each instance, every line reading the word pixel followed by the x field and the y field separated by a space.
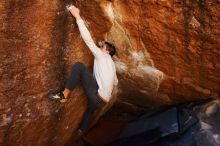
pixel 85 32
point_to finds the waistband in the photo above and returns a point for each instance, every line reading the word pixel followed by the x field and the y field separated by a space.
pixel 102 98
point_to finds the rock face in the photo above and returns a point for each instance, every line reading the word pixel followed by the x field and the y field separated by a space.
pixel 168 52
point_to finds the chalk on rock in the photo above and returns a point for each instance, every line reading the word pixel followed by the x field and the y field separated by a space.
pixel 194 22
pixel 5 120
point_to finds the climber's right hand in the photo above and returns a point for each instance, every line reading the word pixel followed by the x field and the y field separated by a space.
pixel 74 11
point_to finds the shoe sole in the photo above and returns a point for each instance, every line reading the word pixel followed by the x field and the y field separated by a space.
pixel 50 96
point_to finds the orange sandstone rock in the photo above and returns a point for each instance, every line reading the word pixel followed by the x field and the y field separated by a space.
pixel 168 52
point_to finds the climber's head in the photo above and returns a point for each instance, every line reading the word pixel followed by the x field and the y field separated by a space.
pixel 107 47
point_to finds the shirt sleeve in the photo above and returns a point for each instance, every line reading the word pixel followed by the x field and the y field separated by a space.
pixel 86 36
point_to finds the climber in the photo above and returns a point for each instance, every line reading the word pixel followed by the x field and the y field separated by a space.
pixel 97 86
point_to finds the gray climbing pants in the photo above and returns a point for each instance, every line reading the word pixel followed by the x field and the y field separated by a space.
pixel 81 74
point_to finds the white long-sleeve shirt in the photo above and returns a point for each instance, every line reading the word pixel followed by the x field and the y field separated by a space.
pixel 103 68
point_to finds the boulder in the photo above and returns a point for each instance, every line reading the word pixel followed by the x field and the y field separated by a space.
pixel 167 53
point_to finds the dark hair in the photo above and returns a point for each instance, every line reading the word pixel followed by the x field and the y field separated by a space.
pixel 110 48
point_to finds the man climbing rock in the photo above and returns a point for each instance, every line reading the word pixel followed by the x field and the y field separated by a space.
pixel 97 86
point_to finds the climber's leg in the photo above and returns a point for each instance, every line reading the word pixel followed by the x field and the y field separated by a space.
pixel 94 104
pixel 90 87
pixel 91 108
pixel 77 72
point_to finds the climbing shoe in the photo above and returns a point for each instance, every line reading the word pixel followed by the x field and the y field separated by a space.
pixel 58 97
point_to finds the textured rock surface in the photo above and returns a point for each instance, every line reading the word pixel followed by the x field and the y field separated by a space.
pixel 168 52
pixel 39 42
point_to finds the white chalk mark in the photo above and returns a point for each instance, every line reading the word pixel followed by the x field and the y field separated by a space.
pixel 139 56
pixel 121 67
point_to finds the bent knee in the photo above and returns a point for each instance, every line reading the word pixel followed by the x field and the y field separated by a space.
pixel 79 65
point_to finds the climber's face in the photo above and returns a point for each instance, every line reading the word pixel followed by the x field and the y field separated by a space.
pixel 104 49
pixel 103 46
